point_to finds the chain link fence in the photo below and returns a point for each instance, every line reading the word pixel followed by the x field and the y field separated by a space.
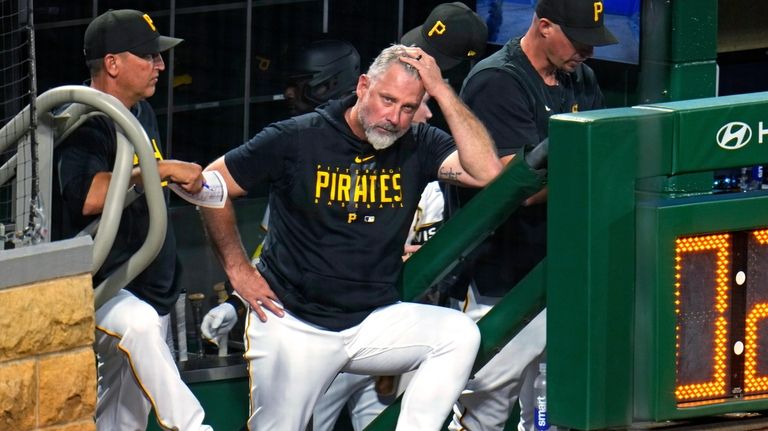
pixel 21 209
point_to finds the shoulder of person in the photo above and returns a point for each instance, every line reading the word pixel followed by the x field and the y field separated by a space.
pixel 584 75
pixel 502 65
pixel 494 80
pixel 281 135
pixel 99 127
pixel 310 119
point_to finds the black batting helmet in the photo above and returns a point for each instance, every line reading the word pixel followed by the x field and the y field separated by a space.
pixel 329 68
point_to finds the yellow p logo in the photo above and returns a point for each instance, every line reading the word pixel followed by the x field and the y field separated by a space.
pixel 351 217
pixel 438 28
pixel 149 21
pixel 598 5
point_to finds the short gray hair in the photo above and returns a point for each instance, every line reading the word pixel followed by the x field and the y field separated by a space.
pixel 95 66
pixel 386 58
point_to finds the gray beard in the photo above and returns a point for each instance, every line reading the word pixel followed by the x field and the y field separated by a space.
pixel 378 140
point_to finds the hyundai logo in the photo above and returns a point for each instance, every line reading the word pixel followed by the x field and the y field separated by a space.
pixel 734 135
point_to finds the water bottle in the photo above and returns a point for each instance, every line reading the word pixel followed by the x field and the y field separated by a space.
pixel 540 412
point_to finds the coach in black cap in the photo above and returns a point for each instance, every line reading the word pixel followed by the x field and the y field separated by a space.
pixel 514 92
pixel 124 30
pixel 136 369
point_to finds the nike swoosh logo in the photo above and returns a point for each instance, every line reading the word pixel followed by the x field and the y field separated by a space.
pixel 364 159
pixel 547 108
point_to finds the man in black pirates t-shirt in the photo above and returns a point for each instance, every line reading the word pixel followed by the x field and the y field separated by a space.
pixel 344 184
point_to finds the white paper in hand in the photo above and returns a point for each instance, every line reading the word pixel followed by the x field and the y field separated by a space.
pixel 212 195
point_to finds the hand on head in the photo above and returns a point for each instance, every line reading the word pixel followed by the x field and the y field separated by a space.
pixel 425 64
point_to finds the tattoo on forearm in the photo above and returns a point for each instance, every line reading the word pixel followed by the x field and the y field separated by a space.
pixel 449 174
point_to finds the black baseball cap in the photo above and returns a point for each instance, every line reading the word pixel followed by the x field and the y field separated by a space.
pixel 451 34
pixel 581 20
pixel 123 30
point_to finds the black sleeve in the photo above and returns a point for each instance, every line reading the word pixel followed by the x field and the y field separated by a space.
pixel 434 146
pixel 262 159
pixel 500 101
pixel 88 151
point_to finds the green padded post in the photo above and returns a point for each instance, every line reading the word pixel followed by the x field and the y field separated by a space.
pixel 591 260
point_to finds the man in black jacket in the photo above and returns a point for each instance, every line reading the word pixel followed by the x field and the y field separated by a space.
pixel 344 184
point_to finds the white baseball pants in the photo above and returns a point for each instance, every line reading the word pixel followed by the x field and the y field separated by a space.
pixel 488 400
pixel 292 363
pixel 358 394
pixel 137 371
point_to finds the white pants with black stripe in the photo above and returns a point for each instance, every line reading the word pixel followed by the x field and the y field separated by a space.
pixel 137 371
pixel 292 363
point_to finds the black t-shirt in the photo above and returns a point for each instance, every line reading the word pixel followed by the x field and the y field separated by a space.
pixel 87 151
pixel 511 99
pixel 333 255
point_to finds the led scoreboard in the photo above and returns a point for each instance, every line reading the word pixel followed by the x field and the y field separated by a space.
pixel 709 264
pixel 721 307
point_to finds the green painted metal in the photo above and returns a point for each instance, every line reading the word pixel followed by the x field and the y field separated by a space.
pixel 387 420
pixel 678 51
pixel 678 63
pixel 591 254
pixel 693 29
pixel 692 80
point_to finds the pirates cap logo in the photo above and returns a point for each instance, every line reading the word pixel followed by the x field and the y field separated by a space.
pixel 598 7
pixel 149 21
pixel 438 28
